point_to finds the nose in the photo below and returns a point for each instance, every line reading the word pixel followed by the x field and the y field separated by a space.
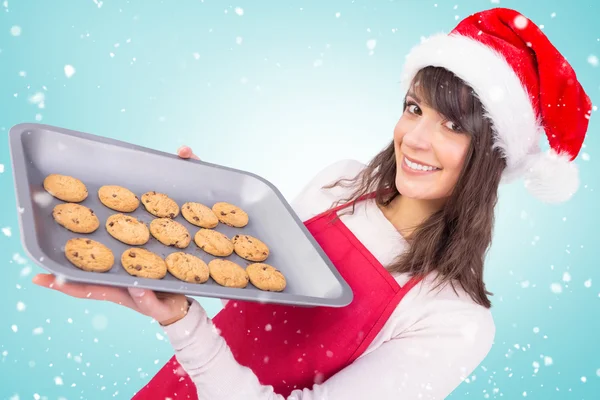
pixel 418 136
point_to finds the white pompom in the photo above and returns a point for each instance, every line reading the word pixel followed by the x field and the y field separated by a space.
pixel 551 177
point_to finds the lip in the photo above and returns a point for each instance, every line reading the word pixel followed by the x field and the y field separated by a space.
pixel 411 171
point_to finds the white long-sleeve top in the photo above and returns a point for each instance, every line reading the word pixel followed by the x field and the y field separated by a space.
pixel 432 341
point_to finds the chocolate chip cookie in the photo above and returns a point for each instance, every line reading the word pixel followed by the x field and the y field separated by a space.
pixel 213 242
pixel 127 229
pixel 266 277
pixel 170 233
pixel 227 273
pixel 75 217
pixel 89 255
pixel 118 198
pixel 65 188
pixel 250 248
pixel 160 205
pixel 200 215
pixel 143 263
pixel 230 214
pixel 187 267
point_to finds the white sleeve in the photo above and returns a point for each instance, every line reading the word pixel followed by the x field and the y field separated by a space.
pixel 426 362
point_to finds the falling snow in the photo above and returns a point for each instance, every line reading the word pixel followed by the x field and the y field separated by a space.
pixel 520 22
pixel 588 283
pixel 7 231
pixel 69 71
pixel 239 11
pixel 556 288
pixel 1 168
pixel 15 30
pixel 21 306
pixel 593 60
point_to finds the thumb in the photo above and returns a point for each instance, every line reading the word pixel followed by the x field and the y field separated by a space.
pixel 147 303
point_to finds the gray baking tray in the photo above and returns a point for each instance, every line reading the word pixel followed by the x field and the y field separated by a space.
pixel 38 150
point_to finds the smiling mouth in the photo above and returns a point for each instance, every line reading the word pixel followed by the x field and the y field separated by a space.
pixel 415 166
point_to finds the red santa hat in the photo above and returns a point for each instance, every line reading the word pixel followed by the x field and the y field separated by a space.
pixel 528 90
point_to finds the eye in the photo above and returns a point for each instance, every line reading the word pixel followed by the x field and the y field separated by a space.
pixel 453 126
pixel 413 108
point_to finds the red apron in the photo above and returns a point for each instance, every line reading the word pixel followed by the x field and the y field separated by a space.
pixel 292 347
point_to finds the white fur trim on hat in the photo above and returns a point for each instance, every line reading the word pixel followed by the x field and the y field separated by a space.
pixel 508 105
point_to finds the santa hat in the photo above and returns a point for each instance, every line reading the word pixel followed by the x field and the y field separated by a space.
pixel 528 90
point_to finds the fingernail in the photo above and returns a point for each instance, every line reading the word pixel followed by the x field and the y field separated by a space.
pixel 137 292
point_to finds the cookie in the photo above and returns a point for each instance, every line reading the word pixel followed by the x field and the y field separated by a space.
pixel 118 198
pixel 127 229
pixel 89 255
pixel 199 215
pixel 143 263
pixel 213 242
pixel 266 277
pixel 227 273
pixel 65 188
pixel 230 214
pixel 75 217
pixel 170 233
pixel 250 248
pixel 187 267
pixel 160 205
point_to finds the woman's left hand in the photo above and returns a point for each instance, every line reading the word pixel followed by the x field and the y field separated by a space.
pixel 165 308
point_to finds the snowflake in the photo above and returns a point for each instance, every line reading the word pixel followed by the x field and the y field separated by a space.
pixel 239 11
pixel 69 71
pixel 15 30
pixel 520 22
pixel 7 231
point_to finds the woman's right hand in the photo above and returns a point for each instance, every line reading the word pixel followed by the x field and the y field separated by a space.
pixel 186 152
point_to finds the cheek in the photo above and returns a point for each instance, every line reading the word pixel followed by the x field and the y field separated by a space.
pixel 452 153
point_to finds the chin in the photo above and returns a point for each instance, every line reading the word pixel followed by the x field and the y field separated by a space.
pixel 416 188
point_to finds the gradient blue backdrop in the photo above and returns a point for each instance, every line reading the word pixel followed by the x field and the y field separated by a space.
pixel 280 89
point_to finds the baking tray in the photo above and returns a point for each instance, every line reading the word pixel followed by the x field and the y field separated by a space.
pixel 38 150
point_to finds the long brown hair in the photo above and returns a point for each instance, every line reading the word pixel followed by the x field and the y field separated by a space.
pixel 453 241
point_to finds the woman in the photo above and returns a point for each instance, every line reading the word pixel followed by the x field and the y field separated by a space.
pixel 409 233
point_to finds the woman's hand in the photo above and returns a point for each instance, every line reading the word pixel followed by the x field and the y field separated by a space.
pixel 186 152
pixel 166 308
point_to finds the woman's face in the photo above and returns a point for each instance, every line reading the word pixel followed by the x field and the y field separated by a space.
pixel 430 152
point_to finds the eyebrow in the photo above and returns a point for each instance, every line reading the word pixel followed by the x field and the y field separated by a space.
pixel 414 96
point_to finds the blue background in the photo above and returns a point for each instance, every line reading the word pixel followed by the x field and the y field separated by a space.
pixel 281 90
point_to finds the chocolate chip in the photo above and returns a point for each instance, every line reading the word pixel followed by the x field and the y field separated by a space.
pixel 264 268
pixel 196 219
pixel 75 220
pixel 186 235
pixel 92 211
pixel 131 254
pixel 138 267
pixel 223 213
pixel 153 192
pixel 88 241
pixel 76 254
pixel 114 195
pixel 172 215
pixel 197 278
pixel 128 219
pixel 147 201
pixel 188 207
pixel 111 224
pixel 93 256
pixel 249 241
pixel 232 211
pixel 264 253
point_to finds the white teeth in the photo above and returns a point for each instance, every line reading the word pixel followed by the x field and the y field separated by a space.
pixel 418 167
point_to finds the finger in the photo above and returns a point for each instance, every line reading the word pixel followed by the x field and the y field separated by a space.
pixel 186 152
pixel 147 303
pixel 85 291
